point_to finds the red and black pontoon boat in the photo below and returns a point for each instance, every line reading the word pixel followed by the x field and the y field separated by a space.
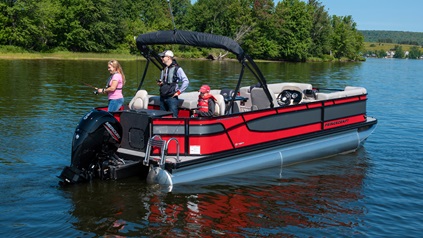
pixel 274 125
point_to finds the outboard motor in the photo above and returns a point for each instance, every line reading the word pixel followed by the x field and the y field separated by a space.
pixel 95 142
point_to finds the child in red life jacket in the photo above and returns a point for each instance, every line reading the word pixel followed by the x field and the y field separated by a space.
pixel 206 102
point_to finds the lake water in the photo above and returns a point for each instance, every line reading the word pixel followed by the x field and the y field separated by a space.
pixel 374 192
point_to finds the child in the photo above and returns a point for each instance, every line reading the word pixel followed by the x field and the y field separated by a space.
pixel 206 102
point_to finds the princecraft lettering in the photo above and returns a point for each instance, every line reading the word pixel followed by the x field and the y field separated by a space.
pixel 333 123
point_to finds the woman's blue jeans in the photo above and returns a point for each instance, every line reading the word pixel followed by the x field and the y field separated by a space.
pixel 115 104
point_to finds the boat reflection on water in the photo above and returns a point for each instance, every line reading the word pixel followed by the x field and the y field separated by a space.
pixel 316 195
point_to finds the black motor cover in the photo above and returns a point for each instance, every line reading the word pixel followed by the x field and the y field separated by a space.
pixel 97 136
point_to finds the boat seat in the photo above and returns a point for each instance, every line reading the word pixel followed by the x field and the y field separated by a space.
pixel 190 100
pixel 348 92
pixel 220 106
pixel 259 99
pixel 139 101
pixel 246 93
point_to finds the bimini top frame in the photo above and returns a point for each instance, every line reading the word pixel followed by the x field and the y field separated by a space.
pixel 198 39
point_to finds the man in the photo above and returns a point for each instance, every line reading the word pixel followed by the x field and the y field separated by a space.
pixel 170 77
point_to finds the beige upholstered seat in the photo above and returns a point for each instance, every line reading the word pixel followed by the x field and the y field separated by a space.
pixel 140 100
pixel 348 92
pixel 220 106
pixel 259 99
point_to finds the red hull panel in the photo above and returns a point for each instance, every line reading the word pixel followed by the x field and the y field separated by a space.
pixel 243 137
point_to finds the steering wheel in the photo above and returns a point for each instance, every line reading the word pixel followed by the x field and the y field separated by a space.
pixel 284 98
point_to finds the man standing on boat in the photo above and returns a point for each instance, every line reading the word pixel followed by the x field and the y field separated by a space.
pixel 171 75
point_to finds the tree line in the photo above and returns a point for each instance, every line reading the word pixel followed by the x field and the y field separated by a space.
pixel 395 37
pixel 414 52
pixel 413 42
pixel 291 30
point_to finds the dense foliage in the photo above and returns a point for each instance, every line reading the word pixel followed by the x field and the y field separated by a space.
pixel 395 44
pixel 397 37
pixel 289 30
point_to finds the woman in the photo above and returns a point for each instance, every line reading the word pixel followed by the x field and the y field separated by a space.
pixel 114 86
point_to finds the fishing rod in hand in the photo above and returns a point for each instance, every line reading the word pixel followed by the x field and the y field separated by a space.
pixel 91 86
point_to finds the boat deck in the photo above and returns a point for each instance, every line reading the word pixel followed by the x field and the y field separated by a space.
pixel 250 98
pixel 169 159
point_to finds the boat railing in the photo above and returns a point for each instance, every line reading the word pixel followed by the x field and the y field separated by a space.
pixel 155 141
pixel 163 145
pixel 177 159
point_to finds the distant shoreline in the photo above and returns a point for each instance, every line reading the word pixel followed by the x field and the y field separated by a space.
pixel 115 56
pixel 70 56
pixel 89 56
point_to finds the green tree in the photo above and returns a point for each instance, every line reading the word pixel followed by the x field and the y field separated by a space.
pixel 414 53
pixel 47 14
pixel 381 53
pixel 320 30
pixel 180 10
pixel 293 32
pixel 155 14
pixel 29 24
pixel 399 52
pixel 261 41
pixel 89 26
pixel 220 17
pixel 346 40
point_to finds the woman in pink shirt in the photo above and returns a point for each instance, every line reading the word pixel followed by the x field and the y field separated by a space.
pixel 114 86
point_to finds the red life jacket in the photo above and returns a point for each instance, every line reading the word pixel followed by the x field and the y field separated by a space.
pixel 203 102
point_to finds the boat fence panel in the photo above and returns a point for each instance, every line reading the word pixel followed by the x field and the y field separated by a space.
pixel 279 87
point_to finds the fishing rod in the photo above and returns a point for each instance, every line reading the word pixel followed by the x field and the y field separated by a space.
pixel 91 86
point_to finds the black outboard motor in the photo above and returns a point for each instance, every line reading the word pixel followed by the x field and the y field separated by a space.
pixel 95 142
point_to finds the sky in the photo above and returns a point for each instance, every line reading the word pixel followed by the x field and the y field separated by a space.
pixel 387 15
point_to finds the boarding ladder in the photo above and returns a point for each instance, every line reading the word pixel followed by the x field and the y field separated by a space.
pixel 158 142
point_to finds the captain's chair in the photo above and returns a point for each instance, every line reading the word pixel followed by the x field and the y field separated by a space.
pixel 140 100
pixel 220 106
pixel 259 99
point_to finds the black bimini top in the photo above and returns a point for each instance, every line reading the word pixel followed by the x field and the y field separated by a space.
pixel 199 39
pixel 190 38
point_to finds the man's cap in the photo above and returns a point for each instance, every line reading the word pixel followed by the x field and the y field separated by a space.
pixel 166 53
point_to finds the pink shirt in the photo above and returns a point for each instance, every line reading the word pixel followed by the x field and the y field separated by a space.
pixel 118 92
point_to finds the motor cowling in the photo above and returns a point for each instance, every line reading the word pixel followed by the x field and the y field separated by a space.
pixel 96 140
